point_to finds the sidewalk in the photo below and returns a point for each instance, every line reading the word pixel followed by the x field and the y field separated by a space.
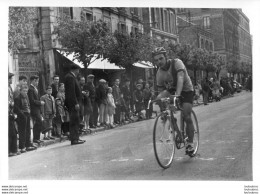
pixel 99 129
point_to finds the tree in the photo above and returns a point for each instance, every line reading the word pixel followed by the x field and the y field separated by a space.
pixel 183 52
pixel 82 38
pixel 233 66
pixel 197 58
pixel 125 49
pixel 220 63
pixel 209 63
pixel 21 22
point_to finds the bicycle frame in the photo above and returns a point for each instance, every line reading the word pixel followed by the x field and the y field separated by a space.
pixel 171 109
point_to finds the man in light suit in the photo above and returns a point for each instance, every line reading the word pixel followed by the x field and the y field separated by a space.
pixel 35 105
pixel 73 101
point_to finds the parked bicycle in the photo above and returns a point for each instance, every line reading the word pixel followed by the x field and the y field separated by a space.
pixel 168 135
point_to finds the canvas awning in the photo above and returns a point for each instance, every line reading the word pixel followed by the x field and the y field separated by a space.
pixel 144 64
pixel 95 63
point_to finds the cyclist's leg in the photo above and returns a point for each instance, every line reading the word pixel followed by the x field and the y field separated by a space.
pixel 187 107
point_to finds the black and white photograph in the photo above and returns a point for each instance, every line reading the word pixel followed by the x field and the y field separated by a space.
pixel 130 97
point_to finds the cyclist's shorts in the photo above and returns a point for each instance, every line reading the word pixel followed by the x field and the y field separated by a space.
pixel 187 97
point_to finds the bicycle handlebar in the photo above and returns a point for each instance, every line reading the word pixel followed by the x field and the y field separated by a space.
pixel 166 99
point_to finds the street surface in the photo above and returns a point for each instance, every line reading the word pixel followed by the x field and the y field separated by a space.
pixel 126 152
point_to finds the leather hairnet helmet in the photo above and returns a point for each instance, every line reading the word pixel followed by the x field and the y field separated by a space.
pixel 158 50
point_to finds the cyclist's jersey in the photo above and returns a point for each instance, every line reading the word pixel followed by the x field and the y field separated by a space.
pixel 169 77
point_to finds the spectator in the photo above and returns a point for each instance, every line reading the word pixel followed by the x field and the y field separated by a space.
pixel 22 81
pixel 73 101
pixel 122 105
pixel 22 109
pixel 82 123
pixel 138 99
pixel 101 101
pixel 92 94
pixel 55 86
pixel 249 83
pixel 127 97
pixel 35 105
pixel 147 96
pixel 12 133
pixel 48 112
pixel 210 95
pixel 87 108
pixel 205 90
pixel 110 108
pixel 60 116
pixel 216 90
pixel 196 93
pixel 116 94
pixel 65 123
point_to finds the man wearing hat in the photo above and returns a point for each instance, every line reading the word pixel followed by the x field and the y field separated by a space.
pixel 12 133
pixel 92 94
pixel 35 105
pixel 73 101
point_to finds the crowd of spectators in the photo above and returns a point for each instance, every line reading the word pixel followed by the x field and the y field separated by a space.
pixel 101 105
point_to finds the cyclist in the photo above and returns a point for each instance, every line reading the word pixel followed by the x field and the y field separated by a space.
pixel 172 78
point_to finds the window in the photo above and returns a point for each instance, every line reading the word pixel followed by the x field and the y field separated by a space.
pixel 206 22
pixel 108 22
pixel 158 24
pixel 162 20
pixel 68 11
pixel 165 21
pixel 89 17
pixel 122 27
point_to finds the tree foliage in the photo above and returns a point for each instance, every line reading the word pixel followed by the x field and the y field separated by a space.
pixel 82 38
pixel 20 24
pixel 125 49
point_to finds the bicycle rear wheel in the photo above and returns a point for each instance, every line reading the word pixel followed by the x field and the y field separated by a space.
pixel 163 141
pixel 196 134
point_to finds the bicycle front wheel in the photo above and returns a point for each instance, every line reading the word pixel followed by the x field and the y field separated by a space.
pixel 163 141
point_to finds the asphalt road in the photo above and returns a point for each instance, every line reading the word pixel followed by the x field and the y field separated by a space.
pixel 126 152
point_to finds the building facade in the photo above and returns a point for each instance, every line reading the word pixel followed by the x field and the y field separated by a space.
pixel 245 42
pixel 229 29
pixel 160 23
pixel 39 55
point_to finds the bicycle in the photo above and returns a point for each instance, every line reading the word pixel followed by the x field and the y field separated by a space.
pixel 170 137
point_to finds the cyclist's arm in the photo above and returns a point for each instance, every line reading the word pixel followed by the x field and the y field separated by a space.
pixel 180 80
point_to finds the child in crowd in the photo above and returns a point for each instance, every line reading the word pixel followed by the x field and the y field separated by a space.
pixel 48 111
pixel 60 115
pixel 110 108
pixel 88 110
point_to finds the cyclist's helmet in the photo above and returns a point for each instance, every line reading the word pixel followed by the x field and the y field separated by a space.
pixel 158 50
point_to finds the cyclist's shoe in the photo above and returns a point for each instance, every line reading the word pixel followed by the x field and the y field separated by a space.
pixel 190 150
